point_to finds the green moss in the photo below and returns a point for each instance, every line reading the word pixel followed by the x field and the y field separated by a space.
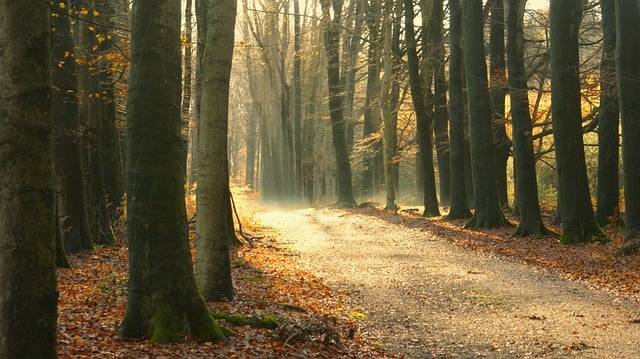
pixel 165 325
pixel 264 321
pixel 585 233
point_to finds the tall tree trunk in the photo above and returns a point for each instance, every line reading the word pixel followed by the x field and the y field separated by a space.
pixel 71 200
pixel 576 212
pixel 525 163
pixel 28 294
pixel 332 47
pixel 112 164
pixel 488 212
pixel 213 267
pixel 498 87
pixel 91 118
pixel 608 193
pixel 459 207
pixel 628 74
pixel 187 87
pixel 423 118
pixel 164 302
pixel 440 120
pixel 297 99
pixel 372 101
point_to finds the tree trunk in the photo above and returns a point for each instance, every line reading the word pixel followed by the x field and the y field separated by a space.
pixel 423 119
pixel 525 163
pixel 578 220
pixel 488 212
pixel 608 193
pixel 297 100
pixel 458 207
pixel 628 74
pixel 213 267
pixel 332 46
pixel 71 200
pixel 163 302
pixel 498 87
pixel 28 294
pixel 440 120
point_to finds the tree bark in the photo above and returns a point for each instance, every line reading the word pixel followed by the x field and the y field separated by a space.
pixel 608 192
pixel 423 119
pixel 576 212
pixel 163 303
pixel 628 74
pixel 459 207
pixel 498 88
pixel 71 200
pixel 488 212
pixel 525 164
pixel 213 267
pixel 28 294
pixel 336 102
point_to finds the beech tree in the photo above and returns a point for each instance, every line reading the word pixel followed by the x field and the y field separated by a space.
pixel 72 203
pixel 28 294
pixel 608 193
pixel 163 301
pixel 331 30
pixel 628 75
pixel 213 267
pixel 576 212
pixel 459 207
pixel 522 133
pixel 488 212
pixel 423 118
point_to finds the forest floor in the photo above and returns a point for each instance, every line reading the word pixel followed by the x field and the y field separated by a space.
pixel 364 283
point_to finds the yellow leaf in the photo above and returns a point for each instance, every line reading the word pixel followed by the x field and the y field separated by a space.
pixel 62 5
pixel 91 28
pixel 96 13
pixel 357 315
pixel 84 11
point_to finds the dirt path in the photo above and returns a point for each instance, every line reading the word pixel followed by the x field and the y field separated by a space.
pixel 427 298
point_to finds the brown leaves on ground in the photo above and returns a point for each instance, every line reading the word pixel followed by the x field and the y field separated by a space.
pixel 594 263
pixel 268 281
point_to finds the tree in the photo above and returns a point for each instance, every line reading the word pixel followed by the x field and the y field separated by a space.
pixel 27 221
pixel 71 200
pixel 576 212
pixel 213 267
pixel 628 75
pixel 440 120
pixel 525 165
pixel 608 193
pixel 163 302
pixel 458 206
pixel 488 212
pixel 331 31
pixel 423 118
pixel 498 89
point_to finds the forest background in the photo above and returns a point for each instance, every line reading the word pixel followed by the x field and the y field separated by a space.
pixel 454 106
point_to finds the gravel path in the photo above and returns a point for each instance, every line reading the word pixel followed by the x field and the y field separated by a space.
pixel 427 298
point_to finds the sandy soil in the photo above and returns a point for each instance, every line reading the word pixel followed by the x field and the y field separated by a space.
pixel 427 298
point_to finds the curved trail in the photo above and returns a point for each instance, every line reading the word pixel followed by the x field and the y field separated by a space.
pixel 427 298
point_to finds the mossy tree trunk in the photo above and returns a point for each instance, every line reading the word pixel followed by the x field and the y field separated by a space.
pixel 163 303
pixel 459 206
pixel 628 74
pixel 576 212
pixel 213 267
pixel 608 192
pixel 488 212
pixel 525 164
pixel 71 200
pixel 28 294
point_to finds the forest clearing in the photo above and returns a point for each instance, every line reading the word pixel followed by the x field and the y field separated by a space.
pixel 373 284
